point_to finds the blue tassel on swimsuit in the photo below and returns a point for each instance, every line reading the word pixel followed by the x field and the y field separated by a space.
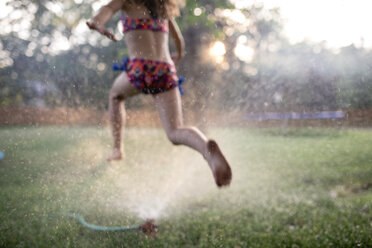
pixel 120 67
pixel 181 80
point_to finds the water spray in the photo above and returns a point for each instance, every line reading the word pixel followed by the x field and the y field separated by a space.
pixel 148 228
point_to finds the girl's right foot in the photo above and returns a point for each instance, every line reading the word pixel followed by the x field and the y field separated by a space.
pixel 219 165
pixel 116 155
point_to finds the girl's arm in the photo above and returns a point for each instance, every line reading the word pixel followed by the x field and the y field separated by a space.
pixel 178 40
pixel 103 16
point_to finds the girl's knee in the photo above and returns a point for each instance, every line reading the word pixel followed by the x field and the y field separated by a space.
pixel 173 136
pixel 115 95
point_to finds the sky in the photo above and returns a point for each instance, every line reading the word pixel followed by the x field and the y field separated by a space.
pixel 338 22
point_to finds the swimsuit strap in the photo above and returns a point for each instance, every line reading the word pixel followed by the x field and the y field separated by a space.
pixel 154 24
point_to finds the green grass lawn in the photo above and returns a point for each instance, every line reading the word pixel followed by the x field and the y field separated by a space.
pixel 290 188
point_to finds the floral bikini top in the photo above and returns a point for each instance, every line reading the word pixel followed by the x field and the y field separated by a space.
pixel 154 24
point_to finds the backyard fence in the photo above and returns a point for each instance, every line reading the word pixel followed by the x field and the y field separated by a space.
pixel 81 116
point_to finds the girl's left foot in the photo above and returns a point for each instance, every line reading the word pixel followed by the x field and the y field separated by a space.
pixel 116 155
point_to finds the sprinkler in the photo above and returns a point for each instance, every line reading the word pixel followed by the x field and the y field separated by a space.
pixel 148 228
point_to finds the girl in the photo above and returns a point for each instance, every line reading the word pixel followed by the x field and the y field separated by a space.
pixel 150 69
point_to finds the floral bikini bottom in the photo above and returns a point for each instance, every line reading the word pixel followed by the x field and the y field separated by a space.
pixel 149 76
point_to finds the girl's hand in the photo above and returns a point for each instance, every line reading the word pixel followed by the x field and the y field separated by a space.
pixel 101 29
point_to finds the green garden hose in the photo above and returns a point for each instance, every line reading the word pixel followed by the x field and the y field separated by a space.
pixel 148 227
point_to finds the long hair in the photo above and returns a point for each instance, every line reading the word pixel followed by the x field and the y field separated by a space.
pixel 161 8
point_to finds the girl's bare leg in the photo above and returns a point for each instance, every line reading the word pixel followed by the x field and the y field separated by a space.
pixel 121 89
pixel 170 112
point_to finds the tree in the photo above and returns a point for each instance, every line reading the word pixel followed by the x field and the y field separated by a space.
pixel 45 44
